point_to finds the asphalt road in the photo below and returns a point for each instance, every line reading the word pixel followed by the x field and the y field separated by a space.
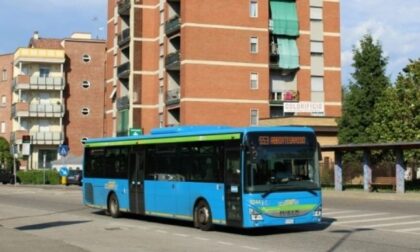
pixel 53 219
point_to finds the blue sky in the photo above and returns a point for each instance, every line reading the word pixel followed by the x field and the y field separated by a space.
pixel 394 22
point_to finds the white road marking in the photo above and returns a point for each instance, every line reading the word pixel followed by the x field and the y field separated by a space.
pixel 201 238
pixel 378 219
pixel 358 215
pixel 180 235
pixel 225 243
pixel 391 224
pixel 340 212
pixel 250 248
pixel 407 230
pixel 161 231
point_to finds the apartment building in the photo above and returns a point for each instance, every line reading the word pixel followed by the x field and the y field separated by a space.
pixel 6 78
pixel 225 62
pixel 57 96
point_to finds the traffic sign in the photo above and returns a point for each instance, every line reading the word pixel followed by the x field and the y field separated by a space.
pixel 64 171
pixel 135 132
pixel 63 150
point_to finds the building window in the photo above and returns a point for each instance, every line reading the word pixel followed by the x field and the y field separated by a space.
pixel 316 13
pixel 254 117
pixel 4 75
pixel 85 111
pixel 254 45
pixel 86 84
pixel 44 72
pixel 253 8
pixel 254 80
pixel 317 47
pixel 317 83
pixel 3 100
pixel 3 127
pixel 86 58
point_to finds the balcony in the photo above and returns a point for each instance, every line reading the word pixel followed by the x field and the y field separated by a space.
pixel 173 97
pixel 123 103
pixel 124 7
pixel 124 37
pixel 23 109
pixel 39 138
pixel 172 61
pixel 172 26
pixel 24 82
pixel 39 55
pixel 123 70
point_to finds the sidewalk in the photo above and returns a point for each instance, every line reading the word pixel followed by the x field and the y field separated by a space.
pixel 360 194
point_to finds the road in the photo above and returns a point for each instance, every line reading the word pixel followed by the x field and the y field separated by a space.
pixel 53 219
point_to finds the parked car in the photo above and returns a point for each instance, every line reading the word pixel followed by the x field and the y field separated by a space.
pixel 74 177
pixel 7 177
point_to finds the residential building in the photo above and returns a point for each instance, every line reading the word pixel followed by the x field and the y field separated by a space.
pixel 57 96
pixel 224 62
pixel 6 78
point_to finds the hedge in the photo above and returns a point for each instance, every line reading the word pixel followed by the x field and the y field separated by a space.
pixel 37 177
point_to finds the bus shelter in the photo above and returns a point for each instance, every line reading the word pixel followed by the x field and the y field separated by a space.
pixel 398 149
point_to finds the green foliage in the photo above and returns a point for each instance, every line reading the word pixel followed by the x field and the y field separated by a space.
pixel 397 114
pixel 364 91
pixel 37 177
pixel 6 159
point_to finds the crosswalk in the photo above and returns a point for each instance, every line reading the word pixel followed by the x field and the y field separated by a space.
pixel 362 219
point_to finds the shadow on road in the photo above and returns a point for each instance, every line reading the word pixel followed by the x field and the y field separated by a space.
pixel 263 231
pixel 49 225
pixel 347 233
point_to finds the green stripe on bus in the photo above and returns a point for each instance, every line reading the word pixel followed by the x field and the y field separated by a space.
pixel 168 140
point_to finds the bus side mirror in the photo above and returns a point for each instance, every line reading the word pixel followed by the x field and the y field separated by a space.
pixel 318 146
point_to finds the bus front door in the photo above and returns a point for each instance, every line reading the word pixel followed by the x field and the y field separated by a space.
pixel 136 181
pixel 233 187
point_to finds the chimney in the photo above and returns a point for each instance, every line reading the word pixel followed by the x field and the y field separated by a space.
pixel 36 35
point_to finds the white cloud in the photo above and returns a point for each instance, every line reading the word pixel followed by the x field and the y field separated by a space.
pixel 394 23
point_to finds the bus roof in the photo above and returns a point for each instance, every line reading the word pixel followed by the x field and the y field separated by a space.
pixel 197 131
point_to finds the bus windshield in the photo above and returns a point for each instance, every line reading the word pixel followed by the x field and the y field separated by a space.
pixel 281 163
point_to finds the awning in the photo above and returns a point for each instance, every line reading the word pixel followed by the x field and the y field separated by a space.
pixel 288 52
pixel 284 16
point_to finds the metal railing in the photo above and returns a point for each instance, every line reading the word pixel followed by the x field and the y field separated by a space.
pixel 173 96
pixel 172 61
pixel 173 25
pixel 38 83
pixel 124 37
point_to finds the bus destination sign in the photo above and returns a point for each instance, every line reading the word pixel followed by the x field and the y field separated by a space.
pixel 281 140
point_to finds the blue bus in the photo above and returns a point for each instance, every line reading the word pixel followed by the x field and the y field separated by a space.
pixel 211 175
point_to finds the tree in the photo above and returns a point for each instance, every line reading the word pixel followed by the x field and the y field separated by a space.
pixel 365 89
pixel 6 159
pixel 397 114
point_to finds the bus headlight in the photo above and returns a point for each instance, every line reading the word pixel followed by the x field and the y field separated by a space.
pixel 255 216
pixel 318 212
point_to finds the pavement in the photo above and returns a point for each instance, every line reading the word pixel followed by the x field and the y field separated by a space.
pixel 360 194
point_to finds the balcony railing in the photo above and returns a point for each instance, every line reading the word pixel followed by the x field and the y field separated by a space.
pixel 173 97
pixel 123 103
pixel 41 138
pixel 23 109
pixel 123 70
pixel 124 7
pixel 173 25
pixel 124 37
pixel 24 82
pixel 172 61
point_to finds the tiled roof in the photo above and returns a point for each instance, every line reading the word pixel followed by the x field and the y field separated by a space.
pixel 46 43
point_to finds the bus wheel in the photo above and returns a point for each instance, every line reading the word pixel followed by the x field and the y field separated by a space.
pixel 202 216
pixel 113 206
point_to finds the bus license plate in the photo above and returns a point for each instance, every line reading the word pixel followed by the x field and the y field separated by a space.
pixel 290 221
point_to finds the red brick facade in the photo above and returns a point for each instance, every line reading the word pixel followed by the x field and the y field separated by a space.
pixel 215 63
